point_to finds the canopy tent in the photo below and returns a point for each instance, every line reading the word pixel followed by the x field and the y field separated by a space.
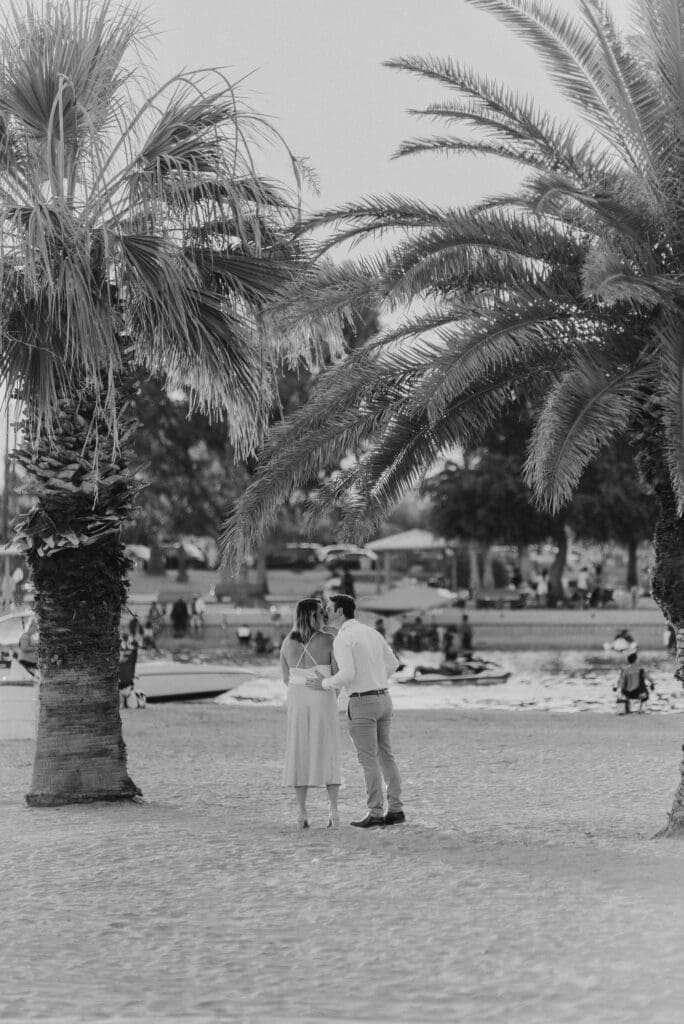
pixel 409 540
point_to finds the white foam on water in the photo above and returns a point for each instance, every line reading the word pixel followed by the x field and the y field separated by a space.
pixel 565 681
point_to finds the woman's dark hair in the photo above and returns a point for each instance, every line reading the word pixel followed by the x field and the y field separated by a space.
pixel 304 624
pixel 344 602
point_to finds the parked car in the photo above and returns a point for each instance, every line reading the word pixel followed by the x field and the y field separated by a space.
pixel 13 626
pixel 296 557
pixel 347 556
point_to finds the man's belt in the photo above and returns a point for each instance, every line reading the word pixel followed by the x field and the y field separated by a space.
pixel 369 693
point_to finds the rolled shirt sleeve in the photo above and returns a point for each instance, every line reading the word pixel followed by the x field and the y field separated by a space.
pixel 391 660
pixel 344 657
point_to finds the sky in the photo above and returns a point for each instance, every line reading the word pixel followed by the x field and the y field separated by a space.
pixel 315 68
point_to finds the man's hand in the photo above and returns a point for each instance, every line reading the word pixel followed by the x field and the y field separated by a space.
pixel 316 682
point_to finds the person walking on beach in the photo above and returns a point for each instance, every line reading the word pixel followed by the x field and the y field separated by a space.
pixel 632 683
pixel 312 748
pixel 365 661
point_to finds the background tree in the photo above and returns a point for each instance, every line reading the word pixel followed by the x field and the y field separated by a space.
pixel 612 505
pixel 569 287
pixel 188 469
pixel 136 233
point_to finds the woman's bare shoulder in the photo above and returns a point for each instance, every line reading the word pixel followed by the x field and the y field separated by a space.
pixel 323 642
pixel 288 645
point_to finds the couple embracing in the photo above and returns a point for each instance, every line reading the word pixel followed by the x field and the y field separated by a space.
pixel 315 667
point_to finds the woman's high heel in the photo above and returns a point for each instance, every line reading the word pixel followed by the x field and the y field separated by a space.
pixel 302 822
pixel 333 820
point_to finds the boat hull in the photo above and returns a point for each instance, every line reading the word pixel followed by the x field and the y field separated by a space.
pixel 167 680
pixel 435 679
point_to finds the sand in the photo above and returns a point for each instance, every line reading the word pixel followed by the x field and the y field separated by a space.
pixel 523 888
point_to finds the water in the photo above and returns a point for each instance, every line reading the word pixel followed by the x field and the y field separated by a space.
pixel 567 681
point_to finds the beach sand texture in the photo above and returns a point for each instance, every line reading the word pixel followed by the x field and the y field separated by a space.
pixel 524 887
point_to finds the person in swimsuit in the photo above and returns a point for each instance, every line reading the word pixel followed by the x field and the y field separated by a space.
pixel 632 684
pixel 312 749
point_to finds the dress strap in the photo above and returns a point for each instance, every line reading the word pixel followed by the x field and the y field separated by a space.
pixel 305 650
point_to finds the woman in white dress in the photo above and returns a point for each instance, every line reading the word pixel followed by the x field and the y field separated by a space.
pixel 312 752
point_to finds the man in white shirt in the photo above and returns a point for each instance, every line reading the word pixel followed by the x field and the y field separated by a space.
pixel 365 660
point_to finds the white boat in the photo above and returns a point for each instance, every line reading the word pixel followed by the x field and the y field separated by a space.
pixel 160 678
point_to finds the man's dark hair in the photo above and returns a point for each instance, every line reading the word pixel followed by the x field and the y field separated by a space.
pixel 345 604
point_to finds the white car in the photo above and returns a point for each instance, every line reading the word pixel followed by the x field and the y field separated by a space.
pixel 13 625
pixel 347 556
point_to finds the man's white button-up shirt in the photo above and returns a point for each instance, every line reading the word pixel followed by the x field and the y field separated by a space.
pixel 364 659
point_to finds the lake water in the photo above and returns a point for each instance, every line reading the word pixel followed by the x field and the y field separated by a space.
pixel 568 681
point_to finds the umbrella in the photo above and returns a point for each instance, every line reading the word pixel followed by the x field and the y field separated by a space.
pixel 408 597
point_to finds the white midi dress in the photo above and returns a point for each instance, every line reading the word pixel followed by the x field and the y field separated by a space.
pixel 312 748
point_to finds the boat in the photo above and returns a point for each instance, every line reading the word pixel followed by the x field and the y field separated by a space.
pixel 451 679
pixel 164 679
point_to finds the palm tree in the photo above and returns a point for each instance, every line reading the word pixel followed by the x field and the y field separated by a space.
pixel 135 236
pixel 565 292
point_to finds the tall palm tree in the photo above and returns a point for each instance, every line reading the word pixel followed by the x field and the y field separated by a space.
pixel 135 232
pixel 567 291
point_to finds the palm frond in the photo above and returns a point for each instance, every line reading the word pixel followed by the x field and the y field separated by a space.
pixel 668 338
pixel 508 117
pixel 590 405
pixel 584 72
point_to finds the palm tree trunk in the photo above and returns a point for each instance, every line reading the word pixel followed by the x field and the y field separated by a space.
pixel 488 567
pixel 632 574
pixel 474 581
pixel 667 586
pixel 260 572
pixel 558 567
pixel 83 494
pixel 80 753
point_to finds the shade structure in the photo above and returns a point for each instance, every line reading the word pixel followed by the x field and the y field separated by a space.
pixel 416 541
pixel 408 597
pixel 409 540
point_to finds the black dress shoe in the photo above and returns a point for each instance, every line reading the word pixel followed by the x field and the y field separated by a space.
pixel 369 822
pixel 394 818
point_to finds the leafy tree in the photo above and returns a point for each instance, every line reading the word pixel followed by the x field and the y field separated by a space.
pixel 611 504
pixel 136 234
pixel 567 288
pixel 187 465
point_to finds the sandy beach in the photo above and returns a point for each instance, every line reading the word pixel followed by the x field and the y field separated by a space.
pixel 524 887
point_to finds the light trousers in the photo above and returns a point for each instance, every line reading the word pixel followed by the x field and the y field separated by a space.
pixel 369 727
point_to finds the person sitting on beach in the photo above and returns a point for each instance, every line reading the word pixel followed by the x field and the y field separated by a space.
pixel 632 684
pixel 312 748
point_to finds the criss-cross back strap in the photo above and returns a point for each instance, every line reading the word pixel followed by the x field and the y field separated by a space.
pixel 305 650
